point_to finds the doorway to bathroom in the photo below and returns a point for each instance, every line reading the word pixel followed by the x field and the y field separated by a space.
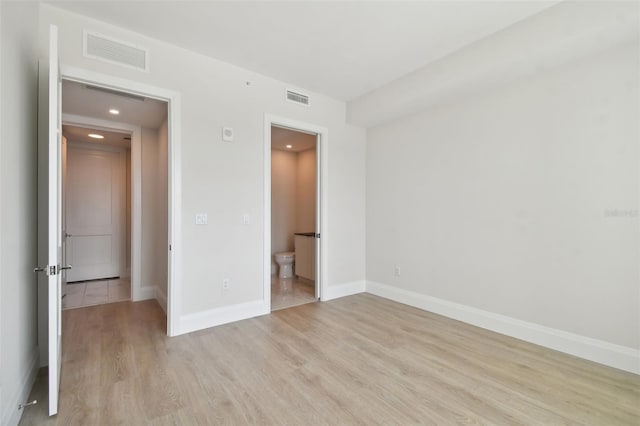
pixel 294 251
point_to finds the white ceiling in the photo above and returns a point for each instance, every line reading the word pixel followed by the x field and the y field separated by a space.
pixel 77 99
pixel 299 141
pixel 342 49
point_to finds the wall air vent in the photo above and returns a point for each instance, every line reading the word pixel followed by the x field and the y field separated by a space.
pixel 98 46
pixel 297 97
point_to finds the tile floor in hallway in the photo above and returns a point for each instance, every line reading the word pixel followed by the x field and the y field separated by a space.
pixel 88 293
pixel 289 292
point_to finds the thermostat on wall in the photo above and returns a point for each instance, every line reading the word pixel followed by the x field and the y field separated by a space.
pixel 227 134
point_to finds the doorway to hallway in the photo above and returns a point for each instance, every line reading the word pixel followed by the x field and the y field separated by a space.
pixel 96 211
pixel 104 131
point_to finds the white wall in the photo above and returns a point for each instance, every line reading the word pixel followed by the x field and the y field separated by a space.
pixel 128 212
pixel 162 210
pixel 306 191
pixel 154 211
pixel 149 144
pixel 2 403
pixel 18 222
pixel 225 180
pixel 283 200
pixel 506 201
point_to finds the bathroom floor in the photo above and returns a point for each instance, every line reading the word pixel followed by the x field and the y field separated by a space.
pixel 289 292
pixel 90 293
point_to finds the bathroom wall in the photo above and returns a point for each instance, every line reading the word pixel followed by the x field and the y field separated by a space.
pixel 306 191
pixel 293 197
pixel 283 200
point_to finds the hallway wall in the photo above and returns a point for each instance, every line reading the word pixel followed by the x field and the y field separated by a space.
pixel 154 211
pixel 162 210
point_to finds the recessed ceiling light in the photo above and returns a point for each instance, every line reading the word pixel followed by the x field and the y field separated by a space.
pixel 289 146
pixel 96 136
pixel 114 111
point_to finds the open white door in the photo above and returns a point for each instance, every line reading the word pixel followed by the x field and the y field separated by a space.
pixel 49 216
pixel 54 247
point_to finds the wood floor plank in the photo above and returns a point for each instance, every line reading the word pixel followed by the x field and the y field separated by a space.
pixel 355 360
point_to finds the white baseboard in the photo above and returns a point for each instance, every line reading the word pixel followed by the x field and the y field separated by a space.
pixel 146 293
pixel 223 315
pixel 599 351
pixel 11 415
pixel 342 290
pixel 161 297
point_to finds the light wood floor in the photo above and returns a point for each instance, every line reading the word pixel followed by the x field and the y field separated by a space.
pixel 355 360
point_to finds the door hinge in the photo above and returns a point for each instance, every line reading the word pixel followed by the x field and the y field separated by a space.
pixel 169 247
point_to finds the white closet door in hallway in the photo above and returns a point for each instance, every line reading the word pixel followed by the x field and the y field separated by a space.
pixel 95 206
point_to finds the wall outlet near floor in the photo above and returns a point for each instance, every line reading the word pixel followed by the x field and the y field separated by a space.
pixel 226 283
pixel 396 271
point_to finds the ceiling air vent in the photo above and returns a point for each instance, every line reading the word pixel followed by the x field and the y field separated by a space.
pixel 115 92
pixel 297 97
pixel 98 46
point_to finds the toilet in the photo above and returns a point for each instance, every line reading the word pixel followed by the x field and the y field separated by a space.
pixel 285 263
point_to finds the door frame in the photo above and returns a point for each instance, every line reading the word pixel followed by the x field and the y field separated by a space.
pixel 322 206
pixel 174 284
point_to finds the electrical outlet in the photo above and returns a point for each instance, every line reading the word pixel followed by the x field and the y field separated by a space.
pixel 225 284
pixel 201 219
pixel 245 219
pixel 396 271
